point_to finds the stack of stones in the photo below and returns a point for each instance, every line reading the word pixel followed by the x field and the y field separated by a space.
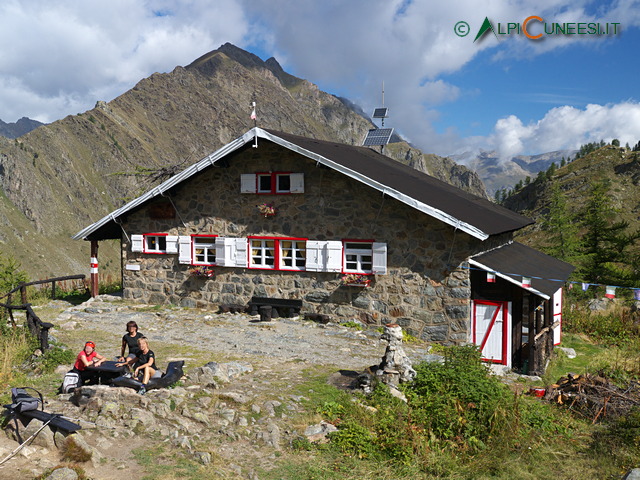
pixel 395 367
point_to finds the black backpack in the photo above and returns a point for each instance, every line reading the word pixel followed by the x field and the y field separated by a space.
pixel 23 402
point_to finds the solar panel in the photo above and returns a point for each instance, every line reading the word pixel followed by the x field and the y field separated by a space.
pixel 380 112
pixel 378 136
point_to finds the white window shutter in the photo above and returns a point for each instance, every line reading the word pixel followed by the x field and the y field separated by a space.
pixel 137 242
pixel 332 256
pixel 221 258
pixel 172 244
pixel 297 182
pixel 379 258
pixel 231 252
pixel 184 247
pixel 313 260
pixel 248 183
pixel 241 252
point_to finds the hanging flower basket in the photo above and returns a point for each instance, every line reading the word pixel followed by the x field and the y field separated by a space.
pixel 202 272
pixel 356 280
pixel 267 209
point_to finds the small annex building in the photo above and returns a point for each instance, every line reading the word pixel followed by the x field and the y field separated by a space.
pixel 349 233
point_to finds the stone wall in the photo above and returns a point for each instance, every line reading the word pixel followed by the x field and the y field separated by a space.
pixel 425 291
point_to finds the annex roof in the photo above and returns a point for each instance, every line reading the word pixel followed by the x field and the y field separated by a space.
pixel 515 260
pixel 472 214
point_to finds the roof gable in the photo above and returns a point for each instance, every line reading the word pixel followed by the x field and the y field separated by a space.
pixel 474 215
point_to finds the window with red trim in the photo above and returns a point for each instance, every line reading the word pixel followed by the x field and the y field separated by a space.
pixel 155 243
pixel 274 182
pixel 277 253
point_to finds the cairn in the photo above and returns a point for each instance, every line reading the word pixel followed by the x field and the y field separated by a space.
pixel 395 367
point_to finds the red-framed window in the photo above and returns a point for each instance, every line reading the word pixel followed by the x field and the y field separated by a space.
pixel 273 182
pixel 203 249
pixel 277 253
pixel 357 256
pixel 154 243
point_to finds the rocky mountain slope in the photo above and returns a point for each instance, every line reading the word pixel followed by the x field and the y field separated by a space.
pixel 497 174
pixel 65 175
pixel 22 126
pixel 621 167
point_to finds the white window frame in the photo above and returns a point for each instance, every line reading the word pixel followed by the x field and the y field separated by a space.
pixel 262 253
pixel 159 239
pixel 366 250
pixel 297 245
pixel 208 244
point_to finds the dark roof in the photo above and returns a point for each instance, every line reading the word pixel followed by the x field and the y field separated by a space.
pixel 479 212
pixel 472 214
pixel 515 260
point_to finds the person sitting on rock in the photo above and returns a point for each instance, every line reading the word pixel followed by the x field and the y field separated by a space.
pixel 86 358
pixel 130 340
pixel 145 364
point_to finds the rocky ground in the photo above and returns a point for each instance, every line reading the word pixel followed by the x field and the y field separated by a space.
pixel 236 417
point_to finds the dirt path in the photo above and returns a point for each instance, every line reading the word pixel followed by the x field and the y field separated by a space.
pixel 280 352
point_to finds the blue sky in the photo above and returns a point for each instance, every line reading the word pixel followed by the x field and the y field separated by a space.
pixel 446 94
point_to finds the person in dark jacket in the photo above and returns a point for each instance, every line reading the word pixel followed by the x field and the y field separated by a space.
pixel 130 340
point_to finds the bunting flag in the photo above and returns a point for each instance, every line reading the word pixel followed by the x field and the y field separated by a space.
pixel 611 292
pixel 585 286
pixel 491 277
pixel 526 282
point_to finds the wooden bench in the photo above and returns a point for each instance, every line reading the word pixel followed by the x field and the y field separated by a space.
pixel 269 308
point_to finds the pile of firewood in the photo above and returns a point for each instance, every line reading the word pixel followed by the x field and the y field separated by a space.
pixel 594 396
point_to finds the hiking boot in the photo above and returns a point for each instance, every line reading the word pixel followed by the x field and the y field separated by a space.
pixel 142 390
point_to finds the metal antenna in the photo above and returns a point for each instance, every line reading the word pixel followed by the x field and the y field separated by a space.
pixel 383 101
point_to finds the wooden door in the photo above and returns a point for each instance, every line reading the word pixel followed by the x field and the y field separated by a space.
pixel 490 330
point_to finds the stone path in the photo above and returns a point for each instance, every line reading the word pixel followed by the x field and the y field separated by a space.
pixel 247 419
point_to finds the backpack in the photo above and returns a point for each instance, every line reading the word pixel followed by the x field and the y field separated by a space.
pixel 23 402
pixel 70 382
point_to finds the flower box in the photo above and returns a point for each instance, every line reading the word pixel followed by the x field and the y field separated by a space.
pixel 202 272
pixel 356 280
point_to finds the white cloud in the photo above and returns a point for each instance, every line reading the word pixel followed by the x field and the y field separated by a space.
pixel 567 128
pixel 64 53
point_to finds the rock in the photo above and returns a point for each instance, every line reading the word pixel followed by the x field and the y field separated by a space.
pixel 203 376
pixel 237 397
pixel 69 325
pixel 227 371
pixel 569 352
pixel 203 457
pixel 632 475
pixel 43 439
pixel 318 433
pixel 63 473
pixel 599 304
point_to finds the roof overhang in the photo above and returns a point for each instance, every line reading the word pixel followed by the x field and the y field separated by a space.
pixel 107 227
pixel 514 260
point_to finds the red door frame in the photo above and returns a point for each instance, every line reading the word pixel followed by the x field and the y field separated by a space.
pixel 502 306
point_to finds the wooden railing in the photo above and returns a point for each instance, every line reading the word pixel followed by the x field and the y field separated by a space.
pixel 37 327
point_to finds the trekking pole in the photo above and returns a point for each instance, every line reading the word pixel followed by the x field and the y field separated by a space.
pixel 12 454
